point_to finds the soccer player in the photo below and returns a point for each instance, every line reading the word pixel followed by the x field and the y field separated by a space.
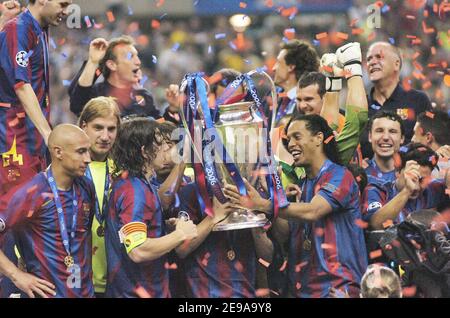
pixel 386 134
pixel 295 58
pixel 412 191
pixel 326 247
pixel 100 120
pixel 137 256
pixel 431 130
pixel 118 61
pixel 24 91
pixel 51 217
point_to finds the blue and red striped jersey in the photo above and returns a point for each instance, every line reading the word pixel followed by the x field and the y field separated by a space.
pixel 134 200
pixel 374 172
pixel 224 265
pixel 336 256
pixel 24 59
pixel 377 194
pixel 30 212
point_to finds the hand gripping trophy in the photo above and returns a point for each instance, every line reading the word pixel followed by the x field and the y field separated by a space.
pixel 231 142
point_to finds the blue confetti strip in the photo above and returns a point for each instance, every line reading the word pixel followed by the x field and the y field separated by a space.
pixel 52 43
pixel 66 82
pixel 392 41
pixel 163 16
pixel 220 36
pixel 154 59
pixel 385 8
pixel 130 11
pixel 175 47
pixel 144 79
pixel 232 45
pixel 210 50
pixel 403 149
pixel 316 42
pixel 30 52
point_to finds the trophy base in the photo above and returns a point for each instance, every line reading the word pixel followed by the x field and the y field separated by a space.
pixel 241 220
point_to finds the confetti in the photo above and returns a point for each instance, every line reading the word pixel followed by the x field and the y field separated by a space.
pixel 319 231
pixel 175 47
pixel 392 41
pixel 264 262
pixel 429 114
pixel 242 5
pixel 66 82
pixel 357 31
pixel 210 49
pixel 144 79
pixel 141 292
pixel 52 43
pixel 387 223
pixel 326 141
pixel 154 59
pixel 87 21
pixel 232 45
pixel 322 35
pixel 298 267
pixel 220 36
pixel 283 266
pixel 375 254
pixel 385 8
pixel 409 291
pixel 268 3
pixel 326 246
pixel 110 16
pixel 361 224
pixel 155 24
pixel 343 36
pixel 262 292
pixel 160 3
pixel 447 80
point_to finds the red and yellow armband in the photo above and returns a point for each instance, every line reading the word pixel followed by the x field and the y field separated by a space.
pixel 133 234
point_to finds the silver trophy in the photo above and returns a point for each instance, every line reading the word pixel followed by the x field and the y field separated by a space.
pixel 243 135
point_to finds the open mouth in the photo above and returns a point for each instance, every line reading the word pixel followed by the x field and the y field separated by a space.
pixel 135 71
pixel 375 69
pixel 296 154
pixel 385 146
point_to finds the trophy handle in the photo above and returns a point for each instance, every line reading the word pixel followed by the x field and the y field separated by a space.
pixel 273 94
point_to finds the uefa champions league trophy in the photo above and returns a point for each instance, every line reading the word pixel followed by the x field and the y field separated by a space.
pixel 230 142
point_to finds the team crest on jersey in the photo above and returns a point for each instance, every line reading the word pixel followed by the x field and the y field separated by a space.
pixel 2 225
pixel 374 205
pixel 22 58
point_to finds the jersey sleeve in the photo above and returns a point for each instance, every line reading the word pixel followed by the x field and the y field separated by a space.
pixel 21 204
pixel 374 198
pixel 338 188
pixel 131 207
pixel 348 139
pixel 16 48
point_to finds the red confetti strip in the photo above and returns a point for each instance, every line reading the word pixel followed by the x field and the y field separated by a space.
pixel 433 50
pixel 409 291
pixel 32 189
pixel 262 292
pixel 160 3
pixel 410 17
pixel 426 29
pixel 155 24
pixel 357 31
pixel 5 105
pixel 353 23
pixel 379 4
pixel 298 267
pixel 430 115
pixel 283 267
pixel 242 5
pixel 141 292
pixel 361 224
pixel 343 36
pixel 110 16
pixel 14 122
pixel 447 80
pixel 298 285
pixel 426 85
pixel 269 3
pixel 238 266
pixel 21 115
pixel 326 246
pixel 328 139
pixel 319 231
pixel 371 36
pixel 375 254
pixel 264 263
pixel 322 35
pixel 387 223
pixel 289 12
pixel 416 55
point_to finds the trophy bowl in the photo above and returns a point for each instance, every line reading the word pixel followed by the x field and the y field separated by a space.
pixel 240 129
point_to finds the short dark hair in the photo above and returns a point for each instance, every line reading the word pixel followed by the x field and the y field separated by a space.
pixel 313 78
pixel 132 135
pixel 31 1
pixel 438 124
pixel 423 155
pixel 386 114
pixel 228 75
pixel 109 54
pixel 315 124
pixel 302 55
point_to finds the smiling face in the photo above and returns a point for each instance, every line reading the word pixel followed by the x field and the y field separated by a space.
pixel 385 137
pixel 309 101
pixel 55 11
pixel 382 62
pixel 301 144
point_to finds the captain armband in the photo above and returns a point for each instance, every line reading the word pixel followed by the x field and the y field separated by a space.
pixel 132 235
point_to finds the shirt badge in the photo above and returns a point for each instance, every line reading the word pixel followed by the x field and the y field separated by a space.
pixel 22 59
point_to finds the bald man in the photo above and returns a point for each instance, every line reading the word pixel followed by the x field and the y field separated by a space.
pixel 384 63
pixel 50 217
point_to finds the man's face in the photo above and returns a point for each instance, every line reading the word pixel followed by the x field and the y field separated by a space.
pixel 163 162
pixel 382 62
pixel 308 100
pixel 127 64
pixel 281 69
pixel 102 132
pixel 419 136
pixel 75 156
pixel 385 137
pixel 301 144
pixel 55 11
